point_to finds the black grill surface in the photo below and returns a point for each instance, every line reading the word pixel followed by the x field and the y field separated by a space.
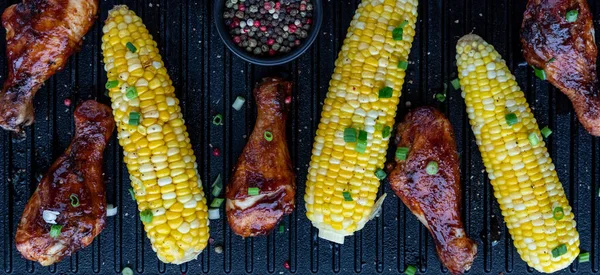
pixel 208 78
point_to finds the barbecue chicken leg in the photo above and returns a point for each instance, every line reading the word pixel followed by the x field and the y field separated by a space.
pixel 435 198
pixel 40 36
pixel 264 164
pixel 68 208
pixel 566 51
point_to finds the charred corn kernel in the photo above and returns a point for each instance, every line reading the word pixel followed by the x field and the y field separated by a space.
pixel 523 176
pixel 149 151
pixel 366 64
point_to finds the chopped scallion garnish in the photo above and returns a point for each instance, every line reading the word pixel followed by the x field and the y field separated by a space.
pixel 533 139
pixel 386 92
pixel 380 174
pixel 268 136
pixel 218 120
pixel 74 200
pixel 403 65
pixel 111 84
pixel 238 103
pixel 440 97
pixel 432 168
pixel 455 84
pixel 217 186
pixel 401 153
pixel 540 73
pixel 584 257
pixel 253 191
pixel 387 130
pixel 216 203
pixel 559 251
pixel 546 132
pixel 558 213
pixel 347 196
pixel 131 92
pixel 55 230
pixel 134 118
pixel 131 47
pixel 410 270
pixel 571 16
pixel 511 119
pixel 361 143
pixel 281 228
pixel 146 216
pixel 398 32
pixel 349 135
pixel 132 193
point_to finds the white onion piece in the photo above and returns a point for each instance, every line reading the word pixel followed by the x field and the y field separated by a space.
pixel 239 102
pixel 111 210
pixel 50 216
pixel 214 214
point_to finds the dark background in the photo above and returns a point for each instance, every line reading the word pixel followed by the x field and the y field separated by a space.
pixel 208 78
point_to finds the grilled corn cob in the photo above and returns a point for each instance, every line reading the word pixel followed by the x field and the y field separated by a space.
pixel 533 203
pixel 157 149
pixel 363 95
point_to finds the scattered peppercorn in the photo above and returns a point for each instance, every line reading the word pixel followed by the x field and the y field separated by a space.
pixel 216 152
pixel 268 27
pixel 67 102
pixel 286 264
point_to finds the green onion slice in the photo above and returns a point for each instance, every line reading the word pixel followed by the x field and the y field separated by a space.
pixel 440 97
pixel 218 120
pixel 111 84
pixel 571 16
pixel 558 213
pixel 533 139
pixel 380 174
pixel 403 65
pixel 146 216
pixel 401 153
pixel 131 92
pixel 253 191
pixel 281 228
pixel 238 103
pixel 74 200
pixel 432 168
pixel 216 203
pixel 131 47
pixel 387 130
pixel 347 196
pixel 386 92
pixel 410 270
pixel 584 257
pixel 540 73
pixel 134 118
pixel 455 84
pixel 132 193
pixel 268 135
pixel 55 230
pixel 398 33
pixel 217 186
pixel 361 143
pixel 546 132
pixel 559 251
pixel 511 119
pixel 349 135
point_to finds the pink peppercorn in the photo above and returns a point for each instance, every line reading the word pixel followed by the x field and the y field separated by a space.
pixel 286 265
pixel 216 152
pixel 67 102
pixel 263 28
pixel 297 42
pixel 302 7
pixel 271 41
pixel 272 52
pixel 288 100
pixel 241 7
pixel 277 6
pixel 268 6
pixel 308 21
pixel 257 23
pixel 292 28
pixel 237 39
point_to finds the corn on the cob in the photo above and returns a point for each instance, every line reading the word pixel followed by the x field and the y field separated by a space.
pixel 341 187
pixel 521 171
pixel 157 149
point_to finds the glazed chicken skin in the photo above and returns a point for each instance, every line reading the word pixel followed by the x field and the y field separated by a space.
pixel 566 51
pixel 72 189
pixel 265 165
pixel 434 199
pixel 40 36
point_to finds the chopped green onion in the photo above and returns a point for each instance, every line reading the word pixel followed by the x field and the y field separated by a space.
pixel 558 213
pixel 347 196
pixel 111 84
pixel 55 230
pixel 74 200
pixel 584 257
pixel 398 33
pixel 551 60
pixel 386 92
pixel 380 174
pixel 511 119
pixel 146 216
pixel 131 47
pixel 401 153
pixel 281 228
pixel 572 16
pixel 132 193
pixel 533 139
pixel 349 135
pixel 216 203
pixel 387 130
pixel 131 92
pixel 218 119
pixel 455 84
pixel 361 143
pixel 440 97
pixel 268 135
pixel 253 191
pixel 214 214
pixel 546 132
pixel 126 271
pixel 410 270
pixel 217 186
pixel 540 73
pixel 403 24
pixel 403 65
pixel 238 103
pixel 559 251
pixel 432 168
pixel 134 118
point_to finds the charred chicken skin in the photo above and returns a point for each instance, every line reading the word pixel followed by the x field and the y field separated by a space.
pixel 68 209
pixel 435 198
pixel 264 164
pixel 564 47
pixel 40 36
